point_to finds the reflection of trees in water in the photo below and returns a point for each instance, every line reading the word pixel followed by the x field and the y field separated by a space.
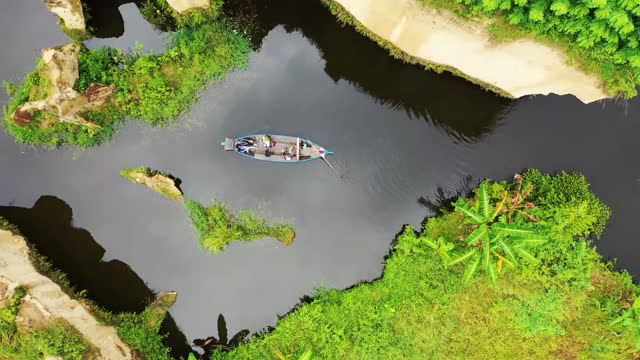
pixel 48 225
pixel 105 19
pixel 462 109
pixel 222 342
pixel 442 201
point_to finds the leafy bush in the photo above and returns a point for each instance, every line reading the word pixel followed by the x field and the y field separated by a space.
pixel 217 226
pixel 155 88
pixel 135 330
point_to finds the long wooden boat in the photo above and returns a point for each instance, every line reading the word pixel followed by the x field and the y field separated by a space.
pixel 279 148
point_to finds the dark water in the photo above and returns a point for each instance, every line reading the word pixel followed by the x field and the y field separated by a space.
pixel 399 131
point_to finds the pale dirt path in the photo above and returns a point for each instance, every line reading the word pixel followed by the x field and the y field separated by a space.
pixel 16 269
pixel 523 67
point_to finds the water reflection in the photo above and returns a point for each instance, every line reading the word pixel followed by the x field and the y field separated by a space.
pixel 222 342
pixel 462 109
pixel 48 225
pixel 104 17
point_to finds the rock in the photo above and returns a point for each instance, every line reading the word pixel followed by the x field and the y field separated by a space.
pixel 45 301
pixel 160 306
pixel 184 5
pixel 155 180
pixel 70 11
pixel 62 101
pixel 31 315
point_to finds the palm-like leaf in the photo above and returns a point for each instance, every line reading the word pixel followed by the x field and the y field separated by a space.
pixel 512 230
pixel 429 241
pixel 472 215
pixel 507 251
pixel 482 232
pixel 484 200
pixel 529 240
pixel 526 255
pixel 499 206
pixel 486 253
pixel 462 257
pixel 306 355
pixel 492 272
pixel 471 268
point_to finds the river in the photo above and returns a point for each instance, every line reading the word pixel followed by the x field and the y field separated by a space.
pixel 399 132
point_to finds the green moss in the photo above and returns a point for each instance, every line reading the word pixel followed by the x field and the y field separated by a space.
pixel 217 226
pixel 559 307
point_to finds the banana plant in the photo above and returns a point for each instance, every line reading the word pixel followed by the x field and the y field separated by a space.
pixel 494 242
pixel 630 319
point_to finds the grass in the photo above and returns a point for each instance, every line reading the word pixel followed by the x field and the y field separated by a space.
pixel 155 88
pixel 559 307
pixel 57 338
pixel 217 226
pixel 167 188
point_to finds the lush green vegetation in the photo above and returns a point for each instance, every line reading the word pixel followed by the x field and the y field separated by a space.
pixel 155 88
pixel 164 183
pixel 561 300
pixel 599 36
pixel 218 226
pixel 57 338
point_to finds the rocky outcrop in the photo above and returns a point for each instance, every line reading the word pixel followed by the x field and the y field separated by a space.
pixel 70 11
pixel 184 5
pixel 62 102
pixel 45 301
pixel 155 180
pixel 518 68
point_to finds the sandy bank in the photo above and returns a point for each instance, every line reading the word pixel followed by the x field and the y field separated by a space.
pixel 523 67
pixel 16 269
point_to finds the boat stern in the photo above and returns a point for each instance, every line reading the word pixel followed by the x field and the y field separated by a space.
pixel 228 144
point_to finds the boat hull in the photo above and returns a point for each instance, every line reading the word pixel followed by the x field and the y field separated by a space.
pixel 276 148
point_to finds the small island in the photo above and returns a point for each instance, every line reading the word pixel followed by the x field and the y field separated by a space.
pixel 218 226
pixel 157 181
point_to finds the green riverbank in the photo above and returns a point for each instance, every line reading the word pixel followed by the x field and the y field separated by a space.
pixel 554 296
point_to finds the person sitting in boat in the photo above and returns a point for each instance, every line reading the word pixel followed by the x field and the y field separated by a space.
pixel 268 141
pixel 287 154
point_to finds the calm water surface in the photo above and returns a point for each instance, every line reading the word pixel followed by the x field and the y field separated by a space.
pixel 398 131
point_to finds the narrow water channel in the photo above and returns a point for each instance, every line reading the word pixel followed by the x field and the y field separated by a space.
pixel 399 132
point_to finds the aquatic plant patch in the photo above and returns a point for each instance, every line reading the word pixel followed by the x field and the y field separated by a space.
pixel 217 226
pixel 563 304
